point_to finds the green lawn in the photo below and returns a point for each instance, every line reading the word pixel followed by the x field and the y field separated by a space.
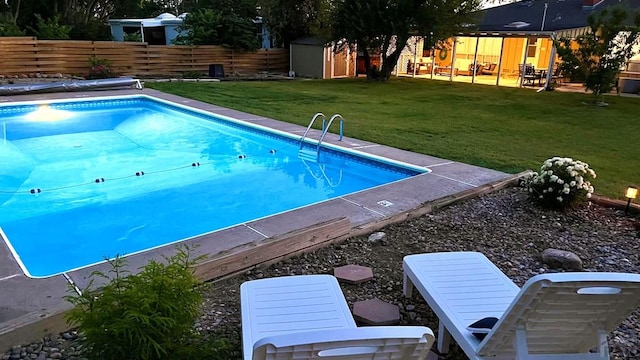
pixel 507 129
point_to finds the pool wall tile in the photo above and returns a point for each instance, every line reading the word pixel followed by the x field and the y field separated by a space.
pixel 215 243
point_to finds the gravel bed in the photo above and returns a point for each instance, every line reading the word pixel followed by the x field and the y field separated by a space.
pixel 503 225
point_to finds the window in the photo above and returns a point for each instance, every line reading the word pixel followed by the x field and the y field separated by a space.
pixel 531 49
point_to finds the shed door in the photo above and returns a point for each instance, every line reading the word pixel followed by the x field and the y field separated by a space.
pixel 340 64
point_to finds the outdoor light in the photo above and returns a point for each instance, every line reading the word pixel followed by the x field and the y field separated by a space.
pixel 632 193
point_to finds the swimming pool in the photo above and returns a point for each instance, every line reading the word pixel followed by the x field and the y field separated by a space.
pixel 87 179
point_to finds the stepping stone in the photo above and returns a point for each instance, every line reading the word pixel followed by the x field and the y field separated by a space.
pixel 354 274
pixel 376 312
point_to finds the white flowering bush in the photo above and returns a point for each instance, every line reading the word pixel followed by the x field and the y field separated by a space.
pixel 562 183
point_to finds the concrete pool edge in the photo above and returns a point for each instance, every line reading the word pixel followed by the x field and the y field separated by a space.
pixel 36 307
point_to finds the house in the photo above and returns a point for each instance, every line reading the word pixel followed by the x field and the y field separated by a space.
pixel 309 57
pixel 160 30
pixel 164 28
pixel 507 40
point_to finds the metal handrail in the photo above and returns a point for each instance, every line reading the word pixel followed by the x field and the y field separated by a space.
pixel 325 130
pixel 313 119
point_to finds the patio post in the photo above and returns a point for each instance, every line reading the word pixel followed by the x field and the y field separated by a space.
pixel 453 57
pixel 524 60
pixel 475 61
pixel 415 56
pixel 552 59
pixel 500 62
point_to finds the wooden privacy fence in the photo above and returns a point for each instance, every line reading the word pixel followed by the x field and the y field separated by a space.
pixel 27 55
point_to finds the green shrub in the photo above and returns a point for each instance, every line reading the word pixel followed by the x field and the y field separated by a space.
pixel 100 69
pixel 51 29
pixel 8 26
pixel 147 316
pixel 562 183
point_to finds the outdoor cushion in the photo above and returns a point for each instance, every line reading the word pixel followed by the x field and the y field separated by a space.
pixel 482 327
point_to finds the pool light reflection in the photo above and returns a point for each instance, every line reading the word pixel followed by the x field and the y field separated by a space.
pixel 45 113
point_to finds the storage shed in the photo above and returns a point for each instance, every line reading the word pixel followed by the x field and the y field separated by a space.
pixel 309 57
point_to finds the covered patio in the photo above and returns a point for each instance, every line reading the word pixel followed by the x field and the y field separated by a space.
pixel 497 58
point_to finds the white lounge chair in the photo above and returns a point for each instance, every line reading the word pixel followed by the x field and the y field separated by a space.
pixel 554 316
pixel 307 317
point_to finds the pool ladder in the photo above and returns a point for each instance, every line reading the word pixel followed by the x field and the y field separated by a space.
pixel 309 154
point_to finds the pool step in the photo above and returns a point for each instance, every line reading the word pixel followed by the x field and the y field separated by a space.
pixel 308 155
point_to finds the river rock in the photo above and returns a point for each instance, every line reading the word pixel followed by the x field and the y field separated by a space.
pixel 556 258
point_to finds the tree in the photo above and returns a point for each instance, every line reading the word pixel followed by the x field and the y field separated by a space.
pixel 601 53
pixel 222 22
pixel 288 20
pixel 51 29
pixel 8 26
pixel 387 25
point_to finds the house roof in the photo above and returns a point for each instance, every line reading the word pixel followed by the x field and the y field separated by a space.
pixel 308 40
pixel 527 15
pixel 160 20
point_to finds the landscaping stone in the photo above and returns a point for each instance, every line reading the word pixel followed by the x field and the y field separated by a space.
pixel 376 312
pixel 562 259
pixel 377 237
pixel 354 274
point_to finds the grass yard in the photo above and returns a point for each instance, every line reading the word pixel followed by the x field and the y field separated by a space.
pixel 506 129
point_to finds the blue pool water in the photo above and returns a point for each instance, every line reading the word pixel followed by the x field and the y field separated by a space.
pixel 85 180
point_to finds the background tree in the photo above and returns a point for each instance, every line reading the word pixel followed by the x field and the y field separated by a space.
pixel 288 20
pixel 601 53
pixel 51 29
pixel 88 19
pixel 387 25
pixel 222 22
pixel 8 26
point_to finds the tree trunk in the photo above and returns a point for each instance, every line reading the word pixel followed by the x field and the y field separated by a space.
pixel 389 62
pixel 367 60
pixel 15 15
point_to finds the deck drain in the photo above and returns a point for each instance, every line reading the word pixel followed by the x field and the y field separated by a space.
pixel 385 203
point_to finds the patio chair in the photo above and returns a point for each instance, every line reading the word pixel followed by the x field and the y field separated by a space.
pixel 556 76
pixel 307 317
pixel 554 316
pixel 489 69
pixel 529 74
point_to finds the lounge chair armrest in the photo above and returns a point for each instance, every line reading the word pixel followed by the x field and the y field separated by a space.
pixel 413 342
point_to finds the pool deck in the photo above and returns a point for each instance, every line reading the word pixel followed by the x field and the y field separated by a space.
pixel 32 308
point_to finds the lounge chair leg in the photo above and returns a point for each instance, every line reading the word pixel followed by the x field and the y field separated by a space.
pixel 444 338
pixel 603 348
pixel 407 286
pixel 522 349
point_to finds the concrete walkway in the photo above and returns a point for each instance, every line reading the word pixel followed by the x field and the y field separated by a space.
pixel 31 308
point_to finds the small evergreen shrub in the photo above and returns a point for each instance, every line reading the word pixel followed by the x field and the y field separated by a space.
pixel 100 69
pixel 562 183
pixel 51 29
pixel 148 316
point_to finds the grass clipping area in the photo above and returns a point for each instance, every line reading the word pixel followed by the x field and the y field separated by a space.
pixel 507 129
